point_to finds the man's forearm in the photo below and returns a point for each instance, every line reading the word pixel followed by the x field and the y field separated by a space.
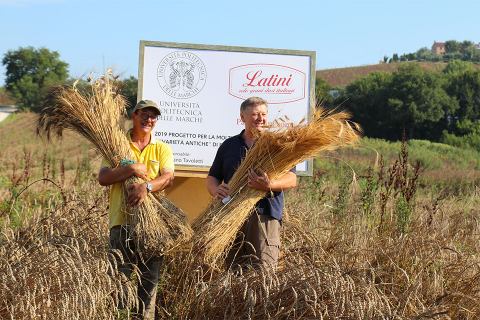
pixel 285 182
pixel 109 176
pixel 163 181
pixel 212 185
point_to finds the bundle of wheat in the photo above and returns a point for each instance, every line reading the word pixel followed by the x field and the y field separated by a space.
pixel 274 152
pixel 97 115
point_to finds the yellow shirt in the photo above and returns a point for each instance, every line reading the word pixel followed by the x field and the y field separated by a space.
pixel 157 156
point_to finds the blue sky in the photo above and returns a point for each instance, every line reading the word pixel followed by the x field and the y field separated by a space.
pixel 92 34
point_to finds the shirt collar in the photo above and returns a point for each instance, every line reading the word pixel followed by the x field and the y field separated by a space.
pixel 241 139
pixel 153 139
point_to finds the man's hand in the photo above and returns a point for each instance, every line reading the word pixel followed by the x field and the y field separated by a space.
pixel 139 170
pixel 259 181
pixel 222 191
pixel 136 193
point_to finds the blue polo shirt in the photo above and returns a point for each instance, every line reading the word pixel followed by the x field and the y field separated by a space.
pixel 227 160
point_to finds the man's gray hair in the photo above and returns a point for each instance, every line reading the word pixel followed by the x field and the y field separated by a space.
pixel 252 102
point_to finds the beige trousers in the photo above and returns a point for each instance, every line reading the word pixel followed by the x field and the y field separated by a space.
pixel 257 243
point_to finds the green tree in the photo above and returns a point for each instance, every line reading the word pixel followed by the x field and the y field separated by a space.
pixel 458 66
pixel 452 46
pixel 463 85
pixel 424 54
pixel 323 92
pixel 420 103
pixel 410 99
pixel 128 88
pixel 411 57
pixel 468 135
pixel 466 46
pixel 30 71
pixel 367 99
pixel 465 50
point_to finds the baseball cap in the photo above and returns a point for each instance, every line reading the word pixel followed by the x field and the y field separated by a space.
pixel 142 104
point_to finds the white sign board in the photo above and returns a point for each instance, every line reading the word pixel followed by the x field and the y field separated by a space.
pixel 199 90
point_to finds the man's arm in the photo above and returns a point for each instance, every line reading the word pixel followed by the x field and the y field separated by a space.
pixel 108 176
pixel 216 189
pixel 262 181
pixel 138 191
pixel 163 181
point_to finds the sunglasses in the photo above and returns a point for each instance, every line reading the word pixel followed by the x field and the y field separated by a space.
pixel 145 115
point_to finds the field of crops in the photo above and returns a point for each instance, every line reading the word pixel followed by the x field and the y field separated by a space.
pixel 381 231
pixel 341 77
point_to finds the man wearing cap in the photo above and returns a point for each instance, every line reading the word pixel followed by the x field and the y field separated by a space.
pixel 153 162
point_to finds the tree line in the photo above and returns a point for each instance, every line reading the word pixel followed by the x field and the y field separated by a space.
pixel 437 106
pixel 454 50
pixel 30 72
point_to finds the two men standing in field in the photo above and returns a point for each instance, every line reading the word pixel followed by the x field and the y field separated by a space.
pixel 258 242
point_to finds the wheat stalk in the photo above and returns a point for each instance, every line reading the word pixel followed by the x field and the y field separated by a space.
pixel 96 115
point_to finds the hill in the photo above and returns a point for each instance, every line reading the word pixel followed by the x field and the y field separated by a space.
pixel 67 156
pixel 27 157
pixel 341 77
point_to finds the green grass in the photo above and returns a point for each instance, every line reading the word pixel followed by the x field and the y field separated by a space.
pixel 9 119
pixel 440 162
pixel 434 155
pixel 431 155
pixel 445 170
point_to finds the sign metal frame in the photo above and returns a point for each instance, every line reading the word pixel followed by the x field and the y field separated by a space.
pixel 202 171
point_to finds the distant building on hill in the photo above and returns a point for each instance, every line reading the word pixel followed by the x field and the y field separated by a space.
pixel 438 48
pixel 477 46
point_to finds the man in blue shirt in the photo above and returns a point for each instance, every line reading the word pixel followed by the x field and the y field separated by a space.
pixel 259 239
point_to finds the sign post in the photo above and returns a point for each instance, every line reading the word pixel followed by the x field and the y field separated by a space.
pixel 199 89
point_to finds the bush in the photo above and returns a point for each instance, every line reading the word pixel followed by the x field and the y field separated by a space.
pixel 469 139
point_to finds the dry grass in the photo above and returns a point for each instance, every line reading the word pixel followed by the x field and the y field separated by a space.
pixel 331 268
pixel 54 260
pixel 56 264
pixel 97 115
pixel 274 152
pixel 345 268
pixel 341 77
pixel 310 284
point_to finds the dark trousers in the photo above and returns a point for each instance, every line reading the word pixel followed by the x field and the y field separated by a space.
pixel 149 270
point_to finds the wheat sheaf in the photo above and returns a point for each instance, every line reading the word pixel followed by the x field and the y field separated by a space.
pixel 96 113
pixel 275 152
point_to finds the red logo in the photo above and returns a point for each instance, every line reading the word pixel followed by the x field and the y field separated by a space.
pixel 274 83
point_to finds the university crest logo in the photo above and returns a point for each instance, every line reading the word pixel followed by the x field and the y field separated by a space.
pixel 181 74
